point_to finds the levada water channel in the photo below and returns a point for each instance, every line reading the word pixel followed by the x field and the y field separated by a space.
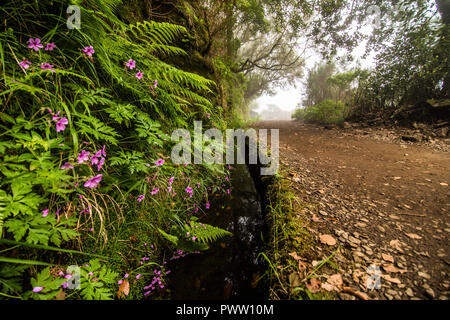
pixel 231 268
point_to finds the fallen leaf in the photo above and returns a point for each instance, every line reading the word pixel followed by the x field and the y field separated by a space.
pixel 389 267
pixel 443 184
pixel 396 244
pixel 294 255
pixel 315 218
pixel 302 266
pixel 390 279
pixel 397 178
pixel 327 286
pixel 413 236
pixel 313 285
pixel 124 289
pixel 294 279
pixel 60 296
pixel 327 239
pixel 387 257
pixel 356 275
pixel 334 282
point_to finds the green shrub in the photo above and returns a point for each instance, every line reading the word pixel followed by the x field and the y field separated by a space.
pixel 326 112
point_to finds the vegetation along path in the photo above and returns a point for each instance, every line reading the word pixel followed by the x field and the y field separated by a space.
pixel 378 200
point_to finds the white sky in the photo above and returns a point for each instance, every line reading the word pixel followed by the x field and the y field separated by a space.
pixel 288 98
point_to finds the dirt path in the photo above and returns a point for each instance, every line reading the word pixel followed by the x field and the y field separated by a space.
pixel 387 203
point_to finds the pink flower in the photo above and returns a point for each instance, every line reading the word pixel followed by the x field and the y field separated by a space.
pixel 44 213
pixel 91 273
pixel 140 198
pixel 56 116
pixel 61 124
pixel 100 164
pixel 138 276
pixel 120 281
pixel 228 191
pixel 208 115
pixel 103 151
pixel 93 182
pixel 189 190
pixel 125 275
pixel 37 289
pixel 139 75
pixel 94 160
pixel 67 165
pixel 50 46
pixel 88 51
pixel 159 162
pixel 154 191
pixel 171 181
pixel 194 238
pixel 47 66
pixel 25 63
pixel 169 189
pixel 83 156
pixel 131 64
pixel 207 205
pixel 156 84
pixel 35 44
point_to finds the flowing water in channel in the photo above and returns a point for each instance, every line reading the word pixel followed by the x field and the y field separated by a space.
pixel 231 268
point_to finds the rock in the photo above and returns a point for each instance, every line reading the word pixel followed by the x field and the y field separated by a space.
pixel 380 228
pixel 443 132
pixel 409 292
pixel 430 293
pixel 424 275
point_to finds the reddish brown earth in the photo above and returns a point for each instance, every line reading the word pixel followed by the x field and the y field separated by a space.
pixel 384 200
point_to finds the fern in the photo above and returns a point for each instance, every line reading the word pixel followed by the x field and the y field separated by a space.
pixel 91 127
pixel 205 232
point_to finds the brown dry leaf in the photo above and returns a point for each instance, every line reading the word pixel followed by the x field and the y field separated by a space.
pixel 396 244
pixel 60 296
pixel 413 236
pixel 327 286
pixel 327 239
pixel 391 268
pixel 313 285
pixel 334 282
pixel 387 257
pixel 315 219
pixel 294 255
pixel 294 279
pixel 443 184
pixel 390 279
pixel 356 275
pixel 302 266
pixel 124 289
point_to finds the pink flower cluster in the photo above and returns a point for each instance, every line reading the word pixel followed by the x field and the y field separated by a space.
pixel 60 122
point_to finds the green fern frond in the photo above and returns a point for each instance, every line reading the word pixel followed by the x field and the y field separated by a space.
pixel 205 232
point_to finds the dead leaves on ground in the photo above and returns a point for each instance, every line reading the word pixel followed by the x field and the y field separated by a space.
pixel 334 283
pixel 389 267
pixel 414 236
pixel 327 239
pixel 313 285
pixel 387 257
pixel 124 289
